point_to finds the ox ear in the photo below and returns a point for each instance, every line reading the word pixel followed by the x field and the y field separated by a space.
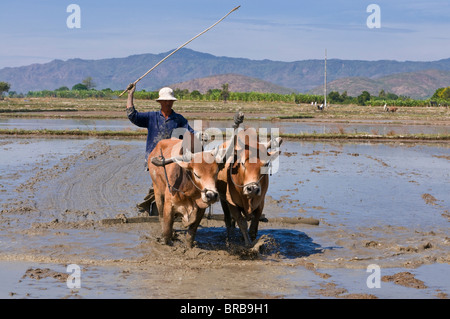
pixel 271 156
pixel 185 165
pixel 219 154
pixel 276 142
pixel 185 160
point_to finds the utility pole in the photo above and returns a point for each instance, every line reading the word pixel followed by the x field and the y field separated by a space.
pixel 325 81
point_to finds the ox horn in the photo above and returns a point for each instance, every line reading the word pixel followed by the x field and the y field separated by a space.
pixel 161 161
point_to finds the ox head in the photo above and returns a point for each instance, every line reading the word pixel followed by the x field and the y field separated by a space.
pixel 201 169
pixel 252 162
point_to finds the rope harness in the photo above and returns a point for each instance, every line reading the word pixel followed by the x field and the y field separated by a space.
pixel 245 185
pixel 171 187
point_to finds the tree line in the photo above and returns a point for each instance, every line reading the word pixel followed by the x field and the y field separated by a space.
pixel 391 99
pixel 86 89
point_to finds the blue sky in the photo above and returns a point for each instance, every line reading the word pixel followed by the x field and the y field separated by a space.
pixel 35 31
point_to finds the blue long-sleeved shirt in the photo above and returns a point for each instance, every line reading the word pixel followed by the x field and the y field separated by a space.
pixel 158 126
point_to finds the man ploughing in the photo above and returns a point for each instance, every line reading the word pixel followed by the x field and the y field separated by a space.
pixel 160 125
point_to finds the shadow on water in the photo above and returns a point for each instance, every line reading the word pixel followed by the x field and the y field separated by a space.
pixel 292 243
pixel 287 243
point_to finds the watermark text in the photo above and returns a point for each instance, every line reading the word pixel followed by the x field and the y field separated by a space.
pixel 74 19
pixel 74 279
pixel 374 19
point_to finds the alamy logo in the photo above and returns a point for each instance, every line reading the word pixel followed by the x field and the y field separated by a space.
pixel 374 279
pixel 74 279
pixel 374 19
pixel 261 144
pixel 74 19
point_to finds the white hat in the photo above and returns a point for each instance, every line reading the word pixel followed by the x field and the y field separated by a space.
pixel 166 94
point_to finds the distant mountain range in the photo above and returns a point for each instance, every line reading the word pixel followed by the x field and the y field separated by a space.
pixel 236 83
pixel 186 65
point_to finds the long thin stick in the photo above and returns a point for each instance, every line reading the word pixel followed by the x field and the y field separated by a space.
pixel 183 45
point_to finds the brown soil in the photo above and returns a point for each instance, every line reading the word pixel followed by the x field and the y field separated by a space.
pixel 38 274
pixel 405 279
pixel 56 218
pixel 429 199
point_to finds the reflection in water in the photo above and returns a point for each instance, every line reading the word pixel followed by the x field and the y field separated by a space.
pixel 288 127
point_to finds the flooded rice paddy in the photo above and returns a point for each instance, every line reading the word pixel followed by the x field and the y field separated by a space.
pixel 286 127
pixel 383 204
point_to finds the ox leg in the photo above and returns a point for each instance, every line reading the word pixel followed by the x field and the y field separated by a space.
pixel 167 224
pixel 243 226
pixel 192 229
pixel 242 223
pixel 159 199
pixel 256 215
pixel 227 219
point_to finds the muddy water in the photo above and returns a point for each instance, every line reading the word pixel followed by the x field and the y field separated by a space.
pixel 364 183
pixel 288 127
pixel 310 126
pixel 383 204
pixel 20 159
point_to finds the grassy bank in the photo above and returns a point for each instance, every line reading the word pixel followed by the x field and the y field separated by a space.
pixel 73 133
pixel 303 136
pixel 209 110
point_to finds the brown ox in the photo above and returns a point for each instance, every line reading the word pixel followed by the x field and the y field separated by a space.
pixel 186 187
pixel 390 109
pixel 242 185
